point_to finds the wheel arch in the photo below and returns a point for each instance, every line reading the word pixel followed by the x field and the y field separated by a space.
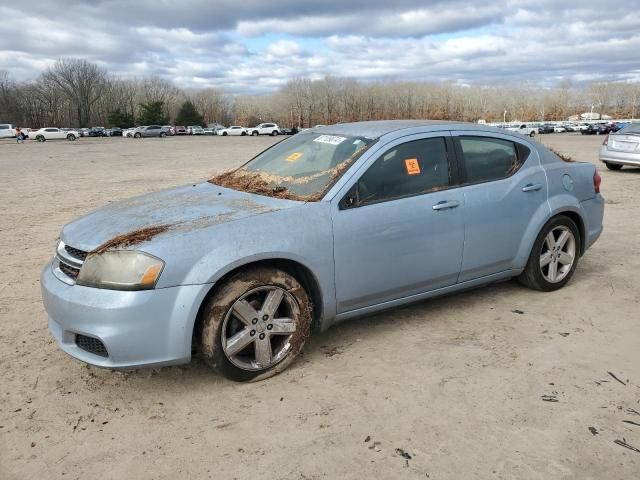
pixel 301 272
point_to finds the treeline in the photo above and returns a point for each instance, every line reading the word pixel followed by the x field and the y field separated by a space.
pixel 78 93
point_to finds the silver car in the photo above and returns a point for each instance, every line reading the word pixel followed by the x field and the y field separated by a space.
pixel 333 223
pixel 622 148
pixel 150 131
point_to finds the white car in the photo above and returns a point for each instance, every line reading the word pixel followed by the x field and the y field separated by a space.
pixel 196 130
pixel 264 129
pixel 523 129
pixel 559 129
pixel 7 130
pixel 233 130
pixel 128 132
pixel 51 133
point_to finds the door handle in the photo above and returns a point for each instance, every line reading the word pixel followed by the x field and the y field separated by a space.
pixel 531 187
pixel 446 204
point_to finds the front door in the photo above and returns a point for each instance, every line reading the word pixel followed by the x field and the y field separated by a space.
pixel 401 232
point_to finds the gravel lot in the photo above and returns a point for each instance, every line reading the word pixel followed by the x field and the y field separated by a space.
pixel 448 388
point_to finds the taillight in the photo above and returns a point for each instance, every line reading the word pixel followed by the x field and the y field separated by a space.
pixel 597 180
pixel 606 140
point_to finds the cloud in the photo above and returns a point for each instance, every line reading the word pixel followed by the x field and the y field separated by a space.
pixel 256 46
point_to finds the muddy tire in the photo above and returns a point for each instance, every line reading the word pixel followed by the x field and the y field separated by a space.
pixel 554 256
pixel 255 324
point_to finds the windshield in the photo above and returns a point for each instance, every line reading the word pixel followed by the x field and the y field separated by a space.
pixel 302 167
pixel 632 128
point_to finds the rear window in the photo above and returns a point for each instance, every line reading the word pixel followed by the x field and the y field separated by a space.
pixel 487 159
pixel 632 128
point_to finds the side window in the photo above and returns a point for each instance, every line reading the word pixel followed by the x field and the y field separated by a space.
pixel 51 130
pixel 411 168
pixel 486 159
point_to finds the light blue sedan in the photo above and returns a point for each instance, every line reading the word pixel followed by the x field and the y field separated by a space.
pixel 335 222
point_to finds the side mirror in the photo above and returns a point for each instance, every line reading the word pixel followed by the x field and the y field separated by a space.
pixel 351 199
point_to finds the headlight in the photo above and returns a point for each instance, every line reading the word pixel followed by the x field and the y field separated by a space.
pixel 121 270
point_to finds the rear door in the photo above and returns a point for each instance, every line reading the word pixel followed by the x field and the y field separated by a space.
pixel 503 186
pixel 399 229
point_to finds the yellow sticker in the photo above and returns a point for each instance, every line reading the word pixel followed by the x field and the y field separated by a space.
pixel 294 156
pixel 412 166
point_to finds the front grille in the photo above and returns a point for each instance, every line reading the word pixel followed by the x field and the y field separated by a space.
pixel 68 263
pixel 74 252
pixel 91 345
pixel 69 271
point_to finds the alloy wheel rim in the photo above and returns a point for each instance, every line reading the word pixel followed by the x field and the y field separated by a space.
pixel 257 329
pixel 558 254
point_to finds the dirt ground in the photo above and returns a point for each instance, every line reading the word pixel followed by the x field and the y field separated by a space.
pixel 500 382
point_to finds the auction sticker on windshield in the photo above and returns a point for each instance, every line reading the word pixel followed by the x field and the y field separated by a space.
pixel 330 139
pixel 294 156
pixel 412 166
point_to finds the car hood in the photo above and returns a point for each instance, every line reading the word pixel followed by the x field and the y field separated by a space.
pixel 178 209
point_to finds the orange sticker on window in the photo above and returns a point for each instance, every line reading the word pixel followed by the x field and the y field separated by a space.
pixel 412 166
pixel 294 156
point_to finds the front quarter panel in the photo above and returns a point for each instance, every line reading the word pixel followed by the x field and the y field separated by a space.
pixel 204 255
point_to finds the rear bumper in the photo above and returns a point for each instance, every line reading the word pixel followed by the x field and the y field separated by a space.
pixel 144 328
pixel 594 212
pixel 619 158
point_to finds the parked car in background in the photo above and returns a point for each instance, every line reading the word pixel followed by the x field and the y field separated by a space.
pixel 169 129
pixel 196 130
pixel 116 132
pixel 84 132
pixel 128 132
pixel 264 129
pixel 96 132
pixel 545 128
pixel 596 129
pixel 51 133
pixel 215 127
pixel 559 129
pixel 150 131
pixel 523 130
pixel 622 148
pixel 180 130
pixel 233 130
pixel 615 127
pixel 208 131
pixel 239 268
pixel 289 131
pixel 7 130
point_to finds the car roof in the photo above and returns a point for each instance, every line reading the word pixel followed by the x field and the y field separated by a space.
pixel 378 128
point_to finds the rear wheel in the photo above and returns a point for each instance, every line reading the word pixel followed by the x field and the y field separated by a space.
pixel 137 135
pixel 554 256
pixel 40 138
pixel 254 133
pixel 71 137
pixel 274 133
pixel 532 134
pixel 163 134
pixel 224 134
pixel 256 324
pixel 613 166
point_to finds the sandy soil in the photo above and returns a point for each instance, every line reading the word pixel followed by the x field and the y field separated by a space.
pixel 446 389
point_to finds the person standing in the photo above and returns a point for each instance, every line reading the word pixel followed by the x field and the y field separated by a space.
pixel 19 136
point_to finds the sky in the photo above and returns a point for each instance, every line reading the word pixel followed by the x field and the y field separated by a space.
pixel 255 46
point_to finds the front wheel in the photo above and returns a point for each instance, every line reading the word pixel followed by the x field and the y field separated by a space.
pixel 40 138
pixel 554 256
pixel 532 134
pixel 162 135
pixel 254 133
pixel 613 166
pixel 274 133
pixel 137 135
pixel 256 324
pixel 224 134
pixel 71 137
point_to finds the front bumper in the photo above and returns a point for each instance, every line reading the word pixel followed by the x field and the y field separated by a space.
pixel 619 158
pixel 138 329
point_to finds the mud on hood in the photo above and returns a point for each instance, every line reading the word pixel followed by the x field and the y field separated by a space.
pixel 178 209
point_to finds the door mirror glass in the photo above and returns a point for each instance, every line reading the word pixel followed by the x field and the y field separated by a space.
pixel 351 199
